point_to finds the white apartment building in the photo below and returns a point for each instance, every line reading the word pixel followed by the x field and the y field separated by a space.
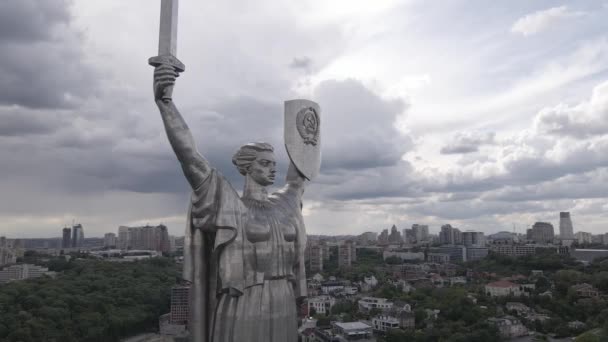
pixel 384 323
pixel 21 272
pixel 368 303
pixel 321 304
pixel 503 288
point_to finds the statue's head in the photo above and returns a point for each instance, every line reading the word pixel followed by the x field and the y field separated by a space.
pixel 257 161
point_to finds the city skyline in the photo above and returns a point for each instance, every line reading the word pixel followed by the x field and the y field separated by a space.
pixel 477 116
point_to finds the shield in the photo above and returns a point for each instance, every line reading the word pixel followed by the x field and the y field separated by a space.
pixel 303 136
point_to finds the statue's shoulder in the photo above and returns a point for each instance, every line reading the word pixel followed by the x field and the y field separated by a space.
pixel 218 189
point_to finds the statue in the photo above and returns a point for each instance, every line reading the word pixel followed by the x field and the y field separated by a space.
pixel 243 255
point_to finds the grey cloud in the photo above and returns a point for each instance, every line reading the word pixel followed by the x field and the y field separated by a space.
pixel 41 61
pixel 304 63
pixel 31 20
pixel 16 121
pixel 472 209
pixel 467 142
pixel 593 184
pixel 359 127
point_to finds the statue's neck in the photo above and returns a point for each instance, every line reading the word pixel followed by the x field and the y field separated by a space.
pixel 254 190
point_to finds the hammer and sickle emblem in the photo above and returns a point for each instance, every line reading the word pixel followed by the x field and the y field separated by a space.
pixel 308 125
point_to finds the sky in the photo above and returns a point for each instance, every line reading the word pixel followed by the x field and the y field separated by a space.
pixel 487 116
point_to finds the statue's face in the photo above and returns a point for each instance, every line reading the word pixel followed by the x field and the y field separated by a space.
pixel 263 168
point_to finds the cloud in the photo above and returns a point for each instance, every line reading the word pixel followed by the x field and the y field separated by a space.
pixel 359 127
pixel 467 142
pixel 303 62
pixel 41 63
pixel 583 120
pixel 539 21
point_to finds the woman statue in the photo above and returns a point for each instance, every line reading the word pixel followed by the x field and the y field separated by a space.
pixel 243 255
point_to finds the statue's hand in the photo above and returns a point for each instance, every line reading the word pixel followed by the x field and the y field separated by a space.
pixel 164 79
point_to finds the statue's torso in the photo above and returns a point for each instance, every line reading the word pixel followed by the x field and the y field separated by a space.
pixel 272 234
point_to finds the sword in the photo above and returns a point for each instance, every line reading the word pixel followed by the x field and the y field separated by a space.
pixel 167 42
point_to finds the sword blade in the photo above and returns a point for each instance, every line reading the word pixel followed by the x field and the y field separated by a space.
pixel 167 37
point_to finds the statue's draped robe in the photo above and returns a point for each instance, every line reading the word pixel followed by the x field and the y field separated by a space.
pixel 255 248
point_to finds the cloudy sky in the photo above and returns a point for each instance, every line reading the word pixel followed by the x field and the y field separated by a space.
pixel 485 117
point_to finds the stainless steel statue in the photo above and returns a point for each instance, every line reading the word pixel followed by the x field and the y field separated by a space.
pixel 243 254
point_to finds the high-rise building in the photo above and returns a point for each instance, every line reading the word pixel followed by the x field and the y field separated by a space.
pixel 180 304
pixel 77 235
pixel 383 237
pixel 315 257
pixel 123 237
pixel 367 238
pixel 450 235
pixel 541 232
pixel 421 232
pixel 566 231
pixel 66 242
pixel 583 237
pixel 8 254
pixel 395 236
pixel 473 239
pixel 145 238
pixel 345 254
pixel 109 240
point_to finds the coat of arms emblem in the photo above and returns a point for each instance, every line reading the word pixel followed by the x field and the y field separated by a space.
pixel 307 122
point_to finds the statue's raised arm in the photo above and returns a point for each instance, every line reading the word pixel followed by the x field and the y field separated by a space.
pixel 196 168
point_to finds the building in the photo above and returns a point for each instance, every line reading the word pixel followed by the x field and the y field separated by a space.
pixel 321 304
pixel 315 258
pixel 395 236
pixel 509 327
pixel 384 323
pixel 521 250
pixel 367 238
pixel 503 237
pixel 588 255
pixel 8 252
pixel 476 253
pixel 450 235
pixel 456 253
pixel 541 232
pixel 586 290
pixel 439 258
pixel 77 236
pixel 503 288
pixel 583 237
pixel 352 331
pixel 473 239
pixel 420 232
pixel 383 237
pixel 66 242
pixel 155 238
pixel 109 240
pixel 368 283
pixel 330 287
pixel 368 303
pixel 407 320
pixel 566 231
pixel 408 271
pixel 346 252
pixel 180 304
pixel 520 308
pixel 176 321
pixel 22 272
pixel 410 256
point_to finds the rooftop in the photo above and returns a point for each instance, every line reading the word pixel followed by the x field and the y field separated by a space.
pixel 352 325
pixel 502 283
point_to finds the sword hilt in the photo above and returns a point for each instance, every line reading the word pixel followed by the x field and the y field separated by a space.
pixel 171 61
